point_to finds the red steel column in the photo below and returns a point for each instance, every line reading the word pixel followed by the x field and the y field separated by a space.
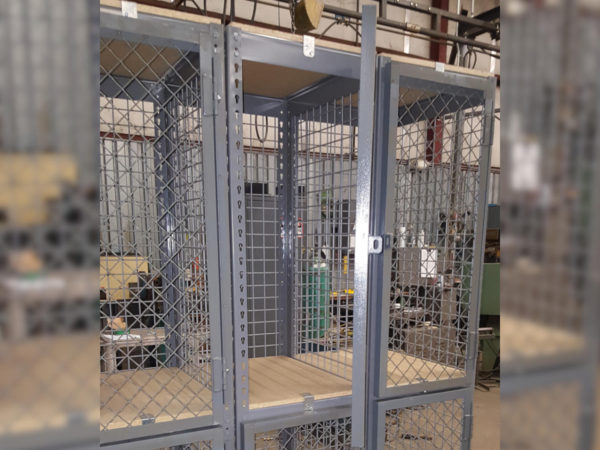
pixel 437 52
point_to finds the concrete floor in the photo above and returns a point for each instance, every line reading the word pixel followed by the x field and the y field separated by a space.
pixel 486 420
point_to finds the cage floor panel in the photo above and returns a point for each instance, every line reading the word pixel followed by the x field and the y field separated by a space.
pixel 280 380
pixel 166 394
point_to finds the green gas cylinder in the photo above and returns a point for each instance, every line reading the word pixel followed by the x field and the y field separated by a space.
pixel 317 287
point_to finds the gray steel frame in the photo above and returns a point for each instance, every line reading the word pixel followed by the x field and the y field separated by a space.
pixel 213 434
pixel 364 212
pixel 344 70
pixel 226 203
pixel 391 76
pixel 422 400
pixel 406 75
pixel 208 41
pixel 252 428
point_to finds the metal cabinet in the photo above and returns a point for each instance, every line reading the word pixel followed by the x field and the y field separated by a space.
pixel 291 241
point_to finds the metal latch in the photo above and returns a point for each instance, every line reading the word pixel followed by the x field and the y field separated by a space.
pixel 378 243
pixel 309 402
pixel 147 418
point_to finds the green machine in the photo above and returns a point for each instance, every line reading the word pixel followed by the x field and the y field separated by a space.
pixel 489 312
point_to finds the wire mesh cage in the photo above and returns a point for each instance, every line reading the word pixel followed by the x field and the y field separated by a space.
pixel 263 235
pixel 154 308
pixel 326 434
pixel 325 206
pixel 440 150
pixel 291 161
pixel 299 304
pixel 564 422
pixel 550 185
pixel 48 225
pixel 426 426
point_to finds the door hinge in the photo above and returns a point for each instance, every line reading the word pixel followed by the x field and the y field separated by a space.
pixel 379 243
pixel 473 345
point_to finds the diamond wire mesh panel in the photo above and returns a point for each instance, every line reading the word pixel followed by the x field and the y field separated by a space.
pixel 48 223
pixel 263 234
pixel 328 434
pixel 429 426
pixel 325 205
pixel 155 349
pixel 439 145
pixel 547 417
pixel 551 155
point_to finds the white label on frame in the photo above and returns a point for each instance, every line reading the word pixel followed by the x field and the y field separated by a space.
pixel 309 46
pixel 440 66
pixel 129 9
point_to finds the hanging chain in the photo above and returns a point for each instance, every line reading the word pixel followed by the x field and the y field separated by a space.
pixel 293 4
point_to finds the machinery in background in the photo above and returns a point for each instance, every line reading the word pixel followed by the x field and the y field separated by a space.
pixel 489 320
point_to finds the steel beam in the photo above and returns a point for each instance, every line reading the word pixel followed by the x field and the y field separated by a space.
pixel 278 52
pixel 237 204
pixel 382 223
pixel 212 434
pixel 366 104
pixel 286 171
pixel 323 91
pixel 262 106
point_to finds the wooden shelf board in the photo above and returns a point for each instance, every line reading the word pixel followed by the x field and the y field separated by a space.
pixel 280 380
pixel 162 12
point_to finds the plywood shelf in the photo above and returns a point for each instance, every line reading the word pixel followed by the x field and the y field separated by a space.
pixel 280 380
pixel 168 394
